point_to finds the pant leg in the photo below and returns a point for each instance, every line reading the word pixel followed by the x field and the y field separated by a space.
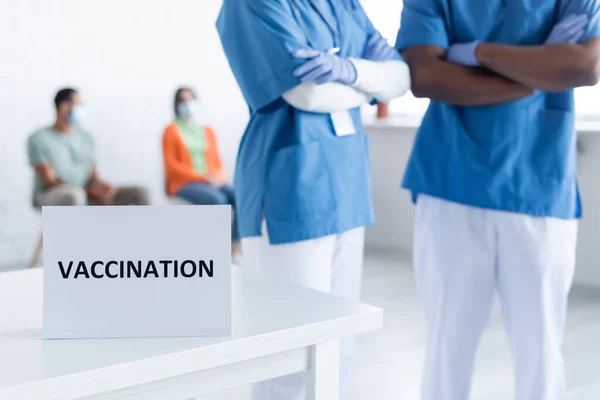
pixel 229 192
pixel 346 282
pixel 536 267
pixel 454 260
pixel 207 194
pixel 202 194
pixel 62 195
pixel 306 263
pixel 132 196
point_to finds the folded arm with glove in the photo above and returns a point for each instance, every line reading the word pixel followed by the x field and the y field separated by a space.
pixel 561 63
pixel 331 83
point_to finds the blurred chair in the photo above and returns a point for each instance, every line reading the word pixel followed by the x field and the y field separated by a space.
pixel 35 257
pixel 37 252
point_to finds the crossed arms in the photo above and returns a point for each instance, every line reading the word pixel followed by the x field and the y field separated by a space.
pixel 554 68
pixel 510 73
pixel 383 81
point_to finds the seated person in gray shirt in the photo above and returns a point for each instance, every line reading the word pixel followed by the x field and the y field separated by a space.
pixel 63 157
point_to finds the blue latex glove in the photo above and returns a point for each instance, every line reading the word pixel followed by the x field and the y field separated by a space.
pixel 378 49
pixel 324 67
pixel 569 31
pixel 463 54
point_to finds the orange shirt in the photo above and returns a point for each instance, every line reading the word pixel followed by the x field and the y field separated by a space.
pixel 179 167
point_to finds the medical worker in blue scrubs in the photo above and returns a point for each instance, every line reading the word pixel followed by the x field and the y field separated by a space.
pixel 493 171
pixel 303 178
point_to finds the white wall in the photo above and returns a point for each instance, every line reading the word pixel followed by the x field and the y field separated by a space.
pixel 126 57
pixel 390 148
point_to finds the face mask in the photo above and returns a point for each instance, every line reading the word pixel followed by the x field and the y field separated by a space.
pixel 75 117
pixel 189 111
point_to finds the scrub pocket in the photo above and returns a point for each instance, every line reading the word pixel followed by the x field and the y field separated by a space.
pixel 298 185
pixel 549 155
pixel 554 155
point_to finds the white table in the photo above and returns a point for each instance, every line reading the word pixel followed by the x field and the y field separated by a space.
pixel 278 329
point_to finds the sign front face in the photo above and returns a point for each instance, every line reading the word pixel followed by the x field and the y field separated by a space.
pixel 137 271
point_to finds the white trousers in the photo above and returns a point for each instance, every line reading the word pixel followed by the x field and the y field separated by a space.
pixel 331 264
pixel 463 255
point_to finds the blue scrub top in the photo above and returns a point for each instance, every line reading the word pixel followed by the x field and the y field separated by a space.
pixel 292 169
pixel 518 156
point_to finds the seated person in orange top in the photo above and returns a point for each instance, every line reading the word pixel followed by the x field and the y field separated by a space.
pixel 193 167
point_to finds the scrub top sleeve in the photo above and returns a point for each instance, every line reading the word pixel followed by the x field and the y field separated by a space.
pixel 273 37
pixel 361 16
pixel 365 21
pixel 422 24
pixel 591 8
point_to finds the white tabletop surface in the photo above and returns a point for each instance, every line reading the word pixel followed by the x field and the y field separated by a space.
pixel 267 318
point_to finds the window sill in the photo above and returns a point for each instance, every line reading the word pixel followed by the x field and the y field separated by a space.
pixel 584 125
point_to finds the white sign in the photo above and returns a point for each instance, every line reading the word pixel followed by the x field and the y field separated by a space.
pixel 137 271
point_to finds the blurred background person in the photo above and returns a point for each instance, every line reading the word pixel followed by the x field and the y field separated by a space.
pixel 64 159
pixel 193 168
